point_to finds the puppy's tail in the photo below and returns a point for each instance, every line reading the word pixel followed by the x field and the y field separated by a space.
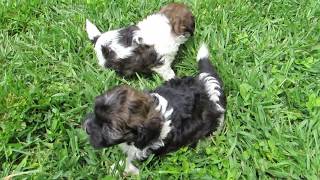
pixel 210 79
pixel 203 59
pixel 212 83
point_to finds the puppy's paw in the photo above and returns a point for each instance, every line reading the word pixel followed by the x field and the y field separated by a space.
pixel 131 170
pixel 165 72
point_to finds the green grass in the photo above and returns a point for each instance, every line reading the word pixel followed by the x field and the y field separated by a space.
pixel 267 52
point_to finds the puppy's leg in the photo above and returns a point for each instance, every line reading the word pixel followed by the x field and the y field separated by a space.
pixel 130 151
pixel 130 169
pixel 165 70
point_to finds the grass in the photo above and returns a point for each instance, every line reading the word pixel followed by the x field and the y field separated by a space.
pixel 267 52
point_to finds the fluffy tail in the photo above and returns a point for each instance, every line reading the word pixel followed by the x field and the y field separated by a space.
pixel 212 83
pixel 210 79
pixel 203 59
pixel 93 31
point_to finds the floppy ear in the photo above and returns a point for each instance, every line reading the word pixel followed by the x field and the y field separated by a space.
pixel 93 31
pixel 148 132
pixel 100 106
pixel 190 25
pixel 183 26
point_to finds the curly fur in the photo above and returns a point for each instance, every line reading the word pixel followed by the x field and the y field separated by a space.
pixel 179 113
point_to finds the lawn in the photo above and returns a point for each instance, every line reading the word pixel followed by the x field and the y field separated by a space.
pixel 267 52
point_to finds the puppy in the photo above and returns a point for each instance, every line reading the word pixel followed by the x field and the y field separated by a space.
pixel 176 114
pixel 150 45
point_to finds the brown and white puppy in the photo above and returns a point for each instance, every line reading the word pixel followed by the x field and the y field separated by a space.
pixel 176 114
pixel 150 45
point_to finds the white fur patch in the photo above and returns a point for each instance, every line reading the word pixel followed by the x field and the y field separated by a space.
pixel 132 154
pixel 156 30
pixel 163 103
pixel 220 125
pixel 203 52
pixel 130 169
pixel 92 30
pixel 212 87
pixel 165 70
pixel 166 128
pixel 166 112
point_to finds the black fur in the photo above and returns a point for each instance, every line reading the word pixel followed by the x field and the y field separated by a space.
pixel 194 115
pixel 95 39
pixel 126 35
pixel 143 58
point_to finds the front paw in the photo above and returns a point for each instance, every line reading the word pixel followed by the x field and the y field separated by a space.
pixel 131 170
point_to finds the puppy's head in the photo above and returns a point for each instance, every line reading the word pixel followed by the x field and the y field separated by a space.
pixel 180 17
pixel 122 115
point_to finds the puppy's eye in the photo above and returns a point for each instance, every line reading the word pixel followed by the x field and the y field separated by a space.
pixel 87 131
pixel 105 50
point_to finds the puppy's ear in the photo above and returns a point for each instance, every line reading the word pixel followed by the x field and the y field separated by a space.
pixel 148 132
pixel 183 26
pixel 190 25
pixel 92 31
pixel 110 102
pixel 100 106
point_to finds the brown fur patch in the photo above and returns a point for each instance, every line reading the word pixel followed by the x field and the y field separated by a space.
pixel 125 107
pixel 180 17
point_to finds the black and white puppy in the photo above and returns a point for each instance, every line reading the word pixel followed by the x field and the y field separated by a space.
pixel 150 45
pixel 176 114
